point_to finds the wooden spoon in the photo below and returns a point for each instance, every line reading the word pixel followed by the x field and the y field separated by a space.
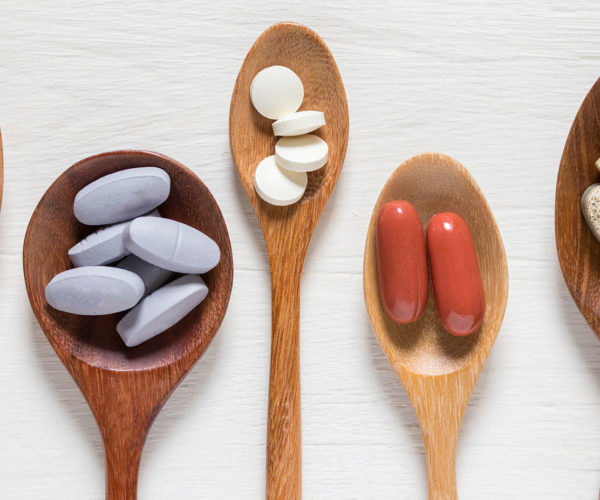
pixel 287 230
pixel 578 250
pixel 437 369
pixel 125 387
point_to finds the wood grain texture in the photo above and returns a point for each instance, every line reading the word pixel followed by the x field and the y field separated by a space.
pixel 439 370
pixel 287 230
pixel 125 387
pixel 578 249
pixel 493 84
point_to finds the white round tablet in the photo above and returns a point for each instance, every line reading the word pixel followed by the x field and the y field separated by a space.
pixel 276 91
pixel 278 186
pixel 302 153
pixel 301 122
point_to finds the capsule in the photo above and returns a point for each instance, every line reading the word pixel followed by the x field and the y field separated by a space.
pixel 401 262
pixel 455 275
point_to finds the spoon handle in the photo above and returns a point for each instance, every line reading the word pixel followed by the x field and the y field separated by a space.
pixel 439 402
pixel 283 428
pixel 124 404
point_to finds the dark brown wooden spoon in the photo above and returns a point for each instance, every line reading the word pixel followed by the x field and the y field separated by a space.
pixel 125 387
pixel 287 230
pixel 578 250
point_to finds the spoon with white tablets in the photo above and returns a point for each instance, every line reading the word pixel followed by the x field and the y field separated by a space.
pixel 439 370
pixel 287 229
pixel 125 387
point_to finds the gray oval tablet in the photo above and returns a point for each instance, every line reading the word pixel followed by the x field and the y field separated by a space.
pixel 121 196
pixel 162 309
pixel 94 290
pixel 171 245
pixel 151 275
pixel 99 248
pixel 104 246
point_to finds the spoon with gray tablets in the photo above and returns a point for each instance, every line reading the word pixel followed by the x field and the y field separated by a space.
pixel 124 387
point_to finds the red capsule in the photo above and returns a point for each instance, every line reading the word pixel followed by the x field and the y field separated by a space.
pixel 401 262
pixel 455 275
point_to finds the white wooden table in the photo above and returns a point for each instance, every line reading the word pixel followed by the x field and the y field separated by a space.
pixel 495 85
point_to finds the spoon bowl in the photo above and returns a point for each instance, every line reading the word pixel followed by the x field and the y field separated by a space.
pixel 578 250
pixel 287 229
pixel 437 369
pixel 125 387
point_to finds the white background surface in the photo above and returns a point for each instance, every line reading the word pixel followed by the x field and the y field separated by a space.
pixel 495 85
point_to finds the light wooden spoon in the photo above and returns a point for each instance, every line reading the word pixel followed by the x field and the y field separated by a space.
pixel 578 250
pixel 437 369
pixel 287 230
pixel 125 387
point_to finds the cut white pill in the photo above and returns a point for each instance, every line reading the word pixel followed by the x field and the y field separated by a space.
pixel 162 309
pixel 104 246
pixel 276 91
pixel 94 290
pixel 152 276
pixel 303 153
pixel 299 123
pixel 598 163
pixel 278 186
pixel 171 245
pixel 124 195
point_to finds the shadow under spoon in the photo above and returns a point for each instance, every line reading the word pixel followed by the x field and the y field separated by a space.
pixel 124 387
pixel 287 230
pixel 439 370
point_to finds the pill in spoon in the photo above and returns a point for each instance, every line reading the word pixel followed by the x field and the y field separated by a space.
pixel 401 262
pixel 455 275
pixel 278 186
pixel 303 153
pixel 301 122
pixel 276 91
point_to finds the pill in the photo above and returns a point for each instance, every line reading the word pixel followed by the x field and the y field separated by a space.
pixel 278 186
pixel 124 195
pixel 276 91
pixel 104 246
pixel 171 245
pixel 301 122
pixel 590 206
pixel 152 276
pixel 598 163
pixel 94 290
pixel 302 153
pixel 162 309
pixel 401 262
pixel 455 275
